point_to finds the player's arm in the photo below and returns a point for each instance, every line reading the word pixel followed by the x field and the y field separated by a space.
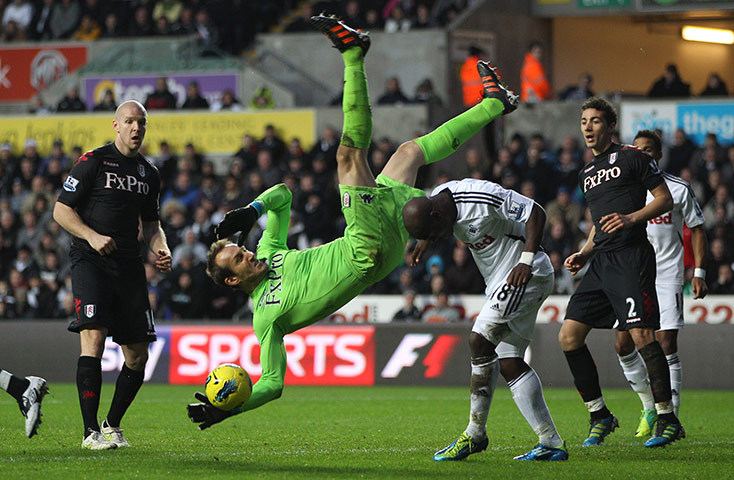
pixel 522 272
pixel 700 253
pixel 661 203
pixel 155 238
pixel 576 261
pixel 276 199
pixel 70 221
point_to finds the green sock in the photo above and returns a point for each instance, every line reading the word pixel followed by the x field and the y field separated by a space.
pixel 444 140
pixel 357 128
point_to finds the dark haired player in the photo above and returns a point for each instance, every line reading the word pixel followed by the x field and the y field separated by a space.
pixel 292 289
pixel 666 235
pixel 620 281
pixel 108 191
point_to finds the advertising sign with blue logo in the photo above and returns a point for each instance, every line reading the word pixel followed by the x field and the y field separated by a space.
pixel 700 119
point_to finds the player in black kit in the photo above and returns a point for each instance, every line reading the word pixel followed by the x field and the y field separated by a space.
pixel 620 281
pixel 108 191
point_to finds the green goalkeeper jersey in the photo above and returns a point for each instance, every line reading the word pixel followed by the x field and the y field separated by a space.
pixel 305 286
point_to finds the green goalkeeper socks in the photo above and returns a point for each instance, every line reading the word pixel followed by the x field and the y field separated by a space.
pixel 357 128
pixel 444 140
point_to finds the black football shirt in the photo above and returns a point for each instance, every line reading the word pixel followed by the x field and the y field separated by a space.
pixel 110 192
pixel 617 180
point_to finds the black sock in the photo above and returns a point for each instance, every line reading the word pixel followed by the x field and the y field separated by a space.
pixel 89 386
pixel 128 383
pixel 17 386
pixel 657 370
pixel 585 376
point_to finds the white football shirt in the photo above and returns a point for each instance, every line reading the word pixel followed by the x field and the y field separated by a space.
pixel 666 231
pixel 491 222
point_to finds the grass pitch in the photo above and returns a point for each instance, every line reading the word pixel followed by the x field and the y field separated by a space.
pixel 379 432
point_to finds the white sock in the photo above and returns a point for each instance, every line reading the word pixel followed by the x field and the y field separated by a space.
pixel 5 379
pixel 595 405
pixel 528 395
pixel 484 373
pixel 676 379
pixel 635 372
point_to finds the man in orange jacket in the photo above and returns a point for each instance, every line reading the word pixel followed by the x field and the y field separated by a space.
pixel 534 83
pixel 471 83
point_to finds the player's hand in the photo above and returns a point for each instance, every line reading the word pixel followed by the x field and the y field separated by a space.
pixel 103 244
pixel 163 262
pixel 420 248
pixel 204 413
pixel 520 275
pixel 615 221
pixel 238 220
pixel 700 289
pixel 575 262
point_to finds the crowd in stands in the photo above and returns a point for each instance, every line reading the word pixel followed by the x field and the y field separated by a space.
pixel 34 264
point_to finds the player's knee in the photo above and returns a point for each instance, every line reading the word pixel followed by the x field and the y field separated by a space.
pixel 512 368
pixel 569 340
pixel 624 345
pixel 410 152
pixel 480 346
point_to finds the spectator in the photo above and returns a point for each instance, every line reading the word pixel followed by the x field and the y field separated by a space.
pixel 326 144
pixel 670 84
pixel 564 207
pixel 183 190
pixel 248 152
pixel 170 9
pixel 461 274
pixel 37 107
pixel 11 33
pixel 724 283
pixel 161 98
pixel 680 153
pixel 715 86
pixel 21 13
pixel 397 20
pixel 207 34
pixel 441 311
pixel 373 20
pixel 227 102
pixel 186 24
pixel 142 25
pixel 533 80
pixel 39 28
pixel 64 19
pixel 272 141
pixel 721 199
pixel 112 27
pixel 267 169
pixel 108 103
pixel 393 93
pixel 71 102
pixel 190 246
pixel 424 93
pixel 579 92
pixel 471 82
pixel 409 312
pixel 262 99
pixel 194 100
pixel 30 151
pixel 89 30
pixel 423 18
pixel 162 27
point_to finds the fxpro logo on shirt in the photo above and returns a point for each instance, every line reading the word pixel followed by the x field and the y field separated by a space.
pixel 275 282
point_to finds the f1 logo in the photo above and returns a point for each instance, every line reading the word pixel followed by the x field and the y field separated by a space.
pixel 405 355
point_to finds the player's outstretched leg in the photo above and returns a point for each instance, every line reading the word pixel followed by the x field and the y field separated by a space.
pixel 341 35
pixel 443 141
pixel 31 404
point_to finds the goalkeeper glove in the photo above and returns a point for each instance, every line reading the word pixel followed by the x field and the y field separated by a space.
pixel 240 219
pixel 204 413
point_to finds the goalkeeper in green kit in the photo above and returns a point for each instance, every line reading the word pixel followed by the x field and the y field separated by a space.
pixel 292 289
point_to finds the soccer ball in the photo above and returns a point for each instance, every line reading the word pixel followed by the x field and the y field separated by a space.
pixel 228 386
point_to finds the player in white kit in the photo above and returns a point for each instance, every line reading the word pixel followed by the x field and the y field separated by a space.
pixel 665 233
pixel 503 230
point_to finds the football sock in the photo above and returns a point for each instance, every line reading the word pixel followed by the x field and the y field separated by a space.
pixel 89 386
pixel 15 386
pixel 636 374
pixel 585 376
pixel 357 127
pixel 657 370
pixel 528 395
pixel 128 383
pixel 484 373
pixel 676 379
pixel 444 140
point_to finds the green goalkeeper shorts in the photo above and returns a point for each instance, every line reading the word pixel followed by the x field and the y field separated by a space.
pixel 375 237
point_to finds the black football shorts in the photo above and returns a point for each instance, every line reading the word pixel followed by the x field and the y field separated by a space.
pixel 618 285
pixel 117 301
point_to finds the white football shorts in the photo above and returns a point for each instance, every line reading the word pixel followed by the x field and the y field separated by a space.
pixel 508 316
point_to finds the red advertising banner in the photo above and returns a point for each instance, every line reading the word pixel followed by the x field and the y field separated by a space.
pixel 24 71
pixel 317 355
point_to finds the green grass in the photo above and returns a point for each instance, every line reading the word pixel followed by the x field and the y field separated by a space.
pixel 380 432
